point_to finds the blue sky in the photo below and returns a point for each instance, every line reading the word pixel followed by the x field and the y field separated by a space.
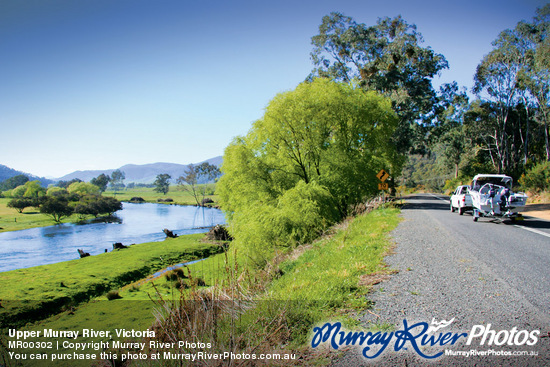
pixel 96 84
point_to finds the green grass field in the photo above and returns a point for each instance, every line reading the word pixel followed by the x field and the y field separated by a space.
pixel 178 194
pixel 12 220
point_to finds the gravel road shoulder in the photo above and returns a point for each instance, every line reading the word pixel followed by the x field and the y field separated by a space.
pixel 440 278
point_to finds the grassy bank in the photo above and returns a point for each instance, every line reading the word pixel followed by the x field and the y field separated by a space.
pixel 274 310
pixel 12 220
pixel 32 293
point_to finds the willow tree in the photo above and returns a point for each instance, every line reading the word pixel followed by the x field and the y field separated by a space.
pixel 315 152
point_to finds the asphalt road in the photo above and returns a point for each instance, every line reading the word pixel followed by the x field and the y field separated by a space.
pixel 479 273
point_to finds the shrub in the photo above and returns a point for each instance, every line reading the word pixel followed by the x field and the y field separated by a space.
pixel 175 275
pixel 299 216
pixel 537 179
pixel 180 284
pixel 113 294
pixel 134 288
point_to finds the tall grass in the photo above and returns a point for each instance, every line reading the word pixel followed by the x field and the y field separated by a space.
pixel 274 310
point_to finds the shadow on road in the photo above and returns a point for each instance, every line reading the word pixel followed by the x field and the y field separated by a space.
pixel 424 203
pixel 532 223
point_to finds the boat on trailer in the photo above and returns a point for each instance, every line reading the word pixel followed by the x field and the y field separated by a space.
pixel 492 196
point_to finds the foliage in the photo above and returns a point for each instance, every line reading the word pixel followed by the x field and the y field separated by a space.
pixel 316 150
pixel 13 182
pixel 83 188
pixel 30 189
pixel 56 191
pixel 20 204
pixel 423 173
pixel 386 57
pixel 18 192
pixel 93 204
pixel 505 129
pixel 57 207
pixel 298 216
pixel 537 179
pixel 533 41
pixel 162 183
pixel 34 189
pixel 101 181
pixel 65 184
pixel 195 178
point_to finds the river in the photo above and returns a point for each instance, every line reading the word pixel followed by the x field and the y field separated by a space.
pixel 136 223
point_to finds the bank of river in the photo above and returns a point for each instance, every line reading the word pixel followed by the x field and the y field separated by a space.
pixel 136 223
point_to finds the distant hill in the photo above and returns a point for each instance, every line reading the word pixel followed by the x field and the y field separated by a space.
pixel 7 172
pixel 140 173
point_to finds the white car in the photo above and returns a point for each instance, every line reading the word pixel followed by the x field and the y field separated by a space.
pixel 461 199
pixel 492 196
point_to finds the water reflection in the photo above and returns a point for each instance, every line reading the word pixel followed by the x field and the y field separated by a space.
pixel 163 210
pixel 136 223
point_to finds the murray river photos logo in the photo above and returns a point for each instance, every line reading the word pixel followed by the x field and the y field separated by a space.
pixel 418 336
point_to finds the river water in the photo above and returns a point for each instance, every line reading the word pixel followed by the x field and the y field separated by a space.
pixel 136 223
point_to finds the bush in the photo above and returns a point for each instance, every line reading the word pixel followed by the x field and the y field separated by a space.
pixel 299 216
pixel 111 295
pixel 175 275
pixel 537 179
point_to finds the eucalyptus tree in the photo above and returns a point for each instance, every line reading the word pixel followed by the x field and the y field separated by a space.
pixel 386 57
pixel 497 81
pixel 534 41
pixel 196 178
pixel 512 77
pixel 117 180
pixel 162 183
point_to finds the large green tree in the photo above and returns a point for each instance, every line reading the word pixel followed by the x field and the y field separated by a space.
pixel 386 57
pixel 162 183
pixel 57 207
pixel 315 152
pixel 101 181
